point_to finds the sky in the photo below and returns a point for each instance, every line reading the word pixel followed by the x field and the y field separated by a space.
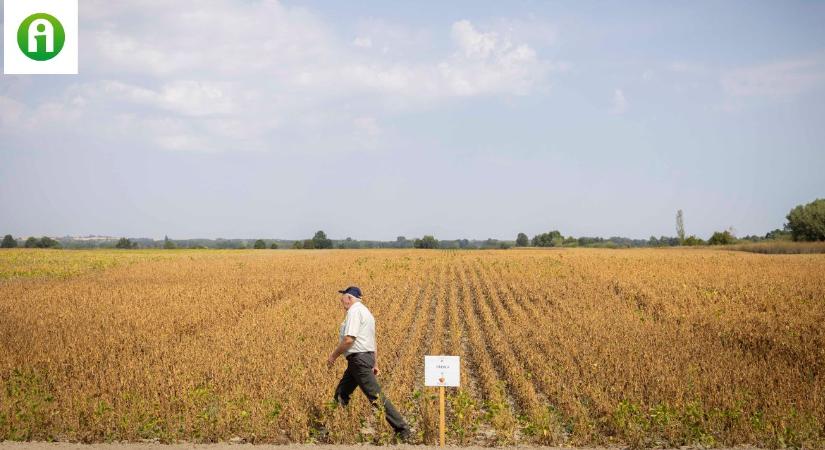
pixel 461 119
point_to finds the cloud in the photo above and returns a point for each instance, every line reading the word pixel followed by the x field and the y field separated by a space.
pixel 362 42
pixel 782 79
pixel 189 98
pixel 253 75
pixel 487 63
pixel 619 102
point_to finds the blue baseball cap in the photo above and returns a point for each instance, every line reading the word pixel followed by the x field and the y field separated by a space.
pixel 352 290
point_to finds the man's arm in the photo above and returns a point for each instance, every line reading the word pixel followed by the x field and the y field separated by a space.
pixel 342 347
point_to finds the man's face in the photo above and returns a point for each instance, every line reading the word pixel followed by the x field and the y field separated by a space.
pixel 346 301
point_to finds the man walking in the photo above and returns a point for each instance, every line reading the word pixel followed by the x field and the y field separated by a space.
pixel 356 340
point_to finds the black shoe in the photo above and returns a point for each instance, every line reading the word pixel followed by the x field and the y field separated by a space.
pixel 405 436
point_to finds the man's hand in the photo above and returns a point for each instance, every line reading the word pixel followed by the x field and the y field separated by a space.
pixel 342 348
pixel 375 371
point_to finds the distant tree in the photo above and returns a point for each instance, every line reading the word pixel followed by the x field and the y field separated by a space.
pixel 274 246
pixel 426 242
pixel 693 240
pixel 354 243
pixel 308 244
pixel 779 234
pixel 550 239
pixel 125 243
pixel 32 242
pixel 47 242
pixel 680 226
pixel 522 241
pixel 9 242
pixel 490 243
pixel 807 222
pixel 298 244
pixel 259 244
pixel 585 241
pixel 168 243
pixel 722 238
pixel 752 238
pixel 320 240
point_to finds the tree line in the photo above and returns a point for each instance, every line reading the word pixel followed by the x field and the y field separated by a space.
pixel 804 223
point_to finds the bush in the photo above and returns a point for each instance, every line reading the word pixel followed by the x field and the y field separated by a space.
pixel 722 238
pixel 693 240
pixel 125 243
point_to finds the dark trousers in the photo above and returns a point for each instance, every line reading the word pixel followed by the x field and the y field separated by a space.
pixel 359 374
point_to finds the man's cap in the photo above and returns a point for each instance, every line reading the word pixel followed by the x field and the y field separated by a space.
pixel 352 290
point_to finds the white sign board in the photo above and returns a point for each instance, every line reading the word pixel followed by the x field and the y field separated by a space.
pixel 442 371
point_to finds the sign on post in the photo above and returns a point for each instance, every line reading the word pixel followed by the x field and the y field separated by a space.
pixel 442 371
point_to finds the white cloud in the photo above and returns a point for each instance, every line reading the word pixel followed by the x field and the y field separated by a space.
pixel 781 79
pixel 250 75
pixel 367 125
pixel 619 102
pixel 188 98
pixel 362 42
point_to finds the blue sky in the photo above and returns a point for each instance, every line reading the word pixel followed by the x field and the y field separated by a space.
pixel 459 119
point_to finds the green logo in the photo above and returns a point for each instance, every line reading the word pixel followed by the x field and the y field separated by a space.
pixel 41 37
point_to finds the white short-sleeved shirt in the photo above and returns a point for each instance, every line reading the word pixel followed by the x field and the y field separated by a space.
pixel 359 324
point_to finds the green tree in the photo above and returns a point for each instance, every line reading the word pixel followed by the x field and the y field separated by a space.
pixel 259 244
pixel 722 238
pixel 320 240
pixel 125 243
pixel 550 239
pixel 807 222
pixel 680 226
pixel 693 240
pixel 426 242
pixel 308 244
pixel 298 245
pixel 274 246
pixel 47 242
pixel 32 242
pixel 522 241
pixel 9 242
pixel 778 234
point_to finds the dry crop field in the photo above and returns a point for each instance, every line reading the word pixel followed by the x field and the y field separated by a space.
pixel 566 347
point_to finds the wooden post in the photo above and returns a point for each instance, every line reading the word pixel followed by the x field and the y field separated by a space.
pixel 442 420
